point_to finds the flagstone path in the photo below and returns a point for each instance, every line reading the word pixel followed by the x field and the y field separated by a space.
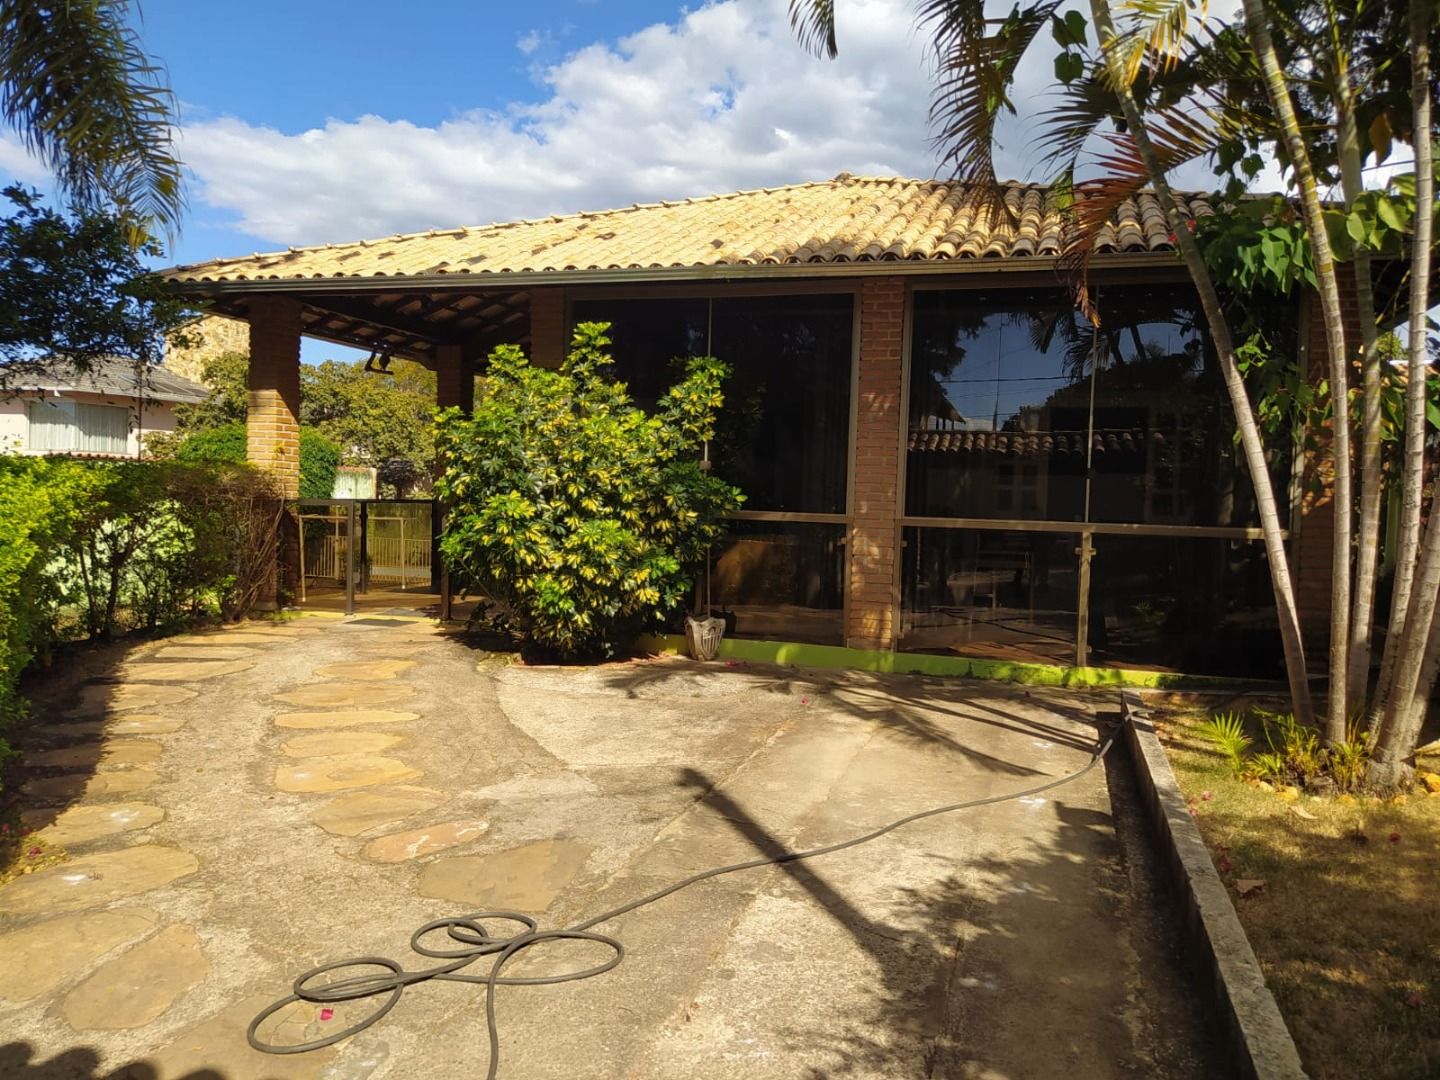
pixel 242 804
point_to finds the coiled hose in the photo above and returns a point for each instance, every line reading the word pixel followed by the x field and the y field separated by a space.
pixel 472 940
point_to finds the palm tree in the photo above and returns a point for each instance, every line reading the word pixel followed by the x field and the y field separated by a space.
pixel 1177 87
pixel 87 100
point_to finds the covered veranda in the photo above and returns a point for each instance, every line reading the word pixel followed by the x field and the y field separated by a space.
pixel 885 520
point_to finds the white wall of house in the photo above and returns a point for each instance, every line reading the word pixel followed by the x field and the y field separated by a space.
pixel 80 423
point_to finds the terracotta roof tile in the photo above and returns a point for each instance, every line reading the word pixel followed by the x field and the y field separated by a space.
pixel 848 219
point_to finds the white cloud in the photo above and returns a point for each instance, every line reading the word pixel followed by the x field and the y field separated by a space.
pixel 19 165
pixel 532 40
pixel 723 98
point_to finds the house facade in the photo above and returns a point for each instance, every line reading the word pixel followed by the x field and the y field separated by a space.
pixel 106 411
pixel 938 453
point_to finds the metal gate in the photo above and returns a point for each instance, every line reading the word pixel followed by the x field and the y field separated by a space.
pixel 359 546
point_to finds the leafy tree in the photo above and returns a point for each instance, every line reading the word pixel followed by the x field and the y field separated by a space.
pixel 84 96
pixel 73 286
pixel 578 515
pixel 319 457
pixel 380 420
pixel 229 399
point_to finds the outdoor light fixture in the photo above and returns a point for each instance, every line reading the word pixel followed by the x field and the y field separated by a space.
pixel 379 361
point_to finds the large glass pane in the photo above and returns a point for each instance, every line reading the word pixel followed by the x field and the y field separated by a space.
pixel 1164 446
pixel 783 435
pixel 781 580
pixel 999 400
pixel 1190 604
pixel 990 594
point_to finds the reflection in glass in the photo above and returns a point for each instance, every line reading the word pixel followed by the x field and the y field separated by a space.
pixel 1191 604
pixel 1002 424
pixel 783 434
pixel 990 594
pixel 781 580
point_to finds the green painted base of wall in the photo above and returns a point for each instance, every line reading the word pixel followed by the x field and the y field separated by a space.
pixel 901 663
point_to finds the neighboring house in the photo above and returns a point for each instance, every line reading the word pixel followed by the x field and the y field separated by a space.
pixel 937 453
pixel 104 412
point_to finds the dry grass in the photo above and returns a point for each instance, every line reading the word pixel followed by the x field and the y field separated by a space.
pixel 1347 927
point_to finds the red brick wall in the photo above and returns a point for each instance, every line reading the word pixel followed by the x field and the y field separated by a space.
pixel 454 378
pixel 871 600
pixel 273 420
pixel 548 343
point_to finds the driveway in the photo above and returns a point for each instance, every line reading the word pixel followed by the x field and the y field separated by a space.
pixel 244 804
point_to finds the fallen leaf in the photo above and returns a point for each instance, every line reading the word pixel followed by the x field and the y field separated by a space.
pixel 326 1014
pixel 1249 886
pixel 1346 800
pixel 1206 796
pixel 1301 812
pixel 1223 865
pixel 1394 838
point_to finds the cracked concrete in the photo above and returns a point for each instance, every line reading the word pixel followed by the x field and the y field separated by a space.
pixel 1004 942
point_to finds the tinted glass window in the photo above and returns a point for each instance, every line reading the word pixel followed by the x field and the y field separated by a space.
pixel 1002 423
pixel 783 435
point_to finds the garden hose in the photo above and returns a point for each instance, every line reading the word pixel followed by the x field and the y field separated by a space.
pixel 471 940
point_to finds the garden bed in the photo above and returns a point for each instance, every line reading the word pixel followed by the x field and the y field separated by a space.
pixel 1337 897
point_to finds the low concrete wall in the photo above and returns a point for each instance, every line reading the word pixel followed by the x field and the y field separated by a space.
pixel 1259 1043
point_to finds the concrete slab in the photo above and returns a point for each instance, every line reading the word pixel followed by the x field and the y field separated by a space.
pixel 994 943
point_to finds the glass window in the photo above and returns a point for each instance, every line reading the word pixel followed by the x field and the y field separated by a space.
pixel 781 580
pixel 1002 423
pixel 991 594
pixel 783 435
pixel 1193 604
pixel 74 426
pixel 999 399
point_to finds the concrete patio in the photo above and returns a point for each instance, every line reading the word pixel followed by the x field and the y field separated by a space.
pixel 244 804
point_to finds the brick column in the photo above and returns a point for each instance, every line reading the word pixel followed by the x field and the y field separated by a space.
pixel 273 420
pixel 871 601
pixel 454 378
pixel 548 340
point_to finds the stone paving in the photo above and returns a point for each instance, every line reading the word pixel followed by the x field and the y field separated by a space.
pixel 242 804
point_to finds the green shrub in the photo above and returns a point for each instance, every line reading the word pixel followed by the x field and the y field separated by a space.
pixel 580 517
pixel 319 457
pixel 93 548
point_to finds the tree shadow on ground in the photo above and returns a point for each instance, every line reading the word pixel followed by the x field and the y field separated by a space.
pixel 61 740
pixel 18 1061
pixel 1026 965
pixel 925 709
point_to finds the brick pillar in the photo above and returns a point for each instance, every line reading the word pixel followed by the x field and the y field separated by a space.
pixel 1312 547
pixel 454 378
pixel 871 602
pixel 548 339
pixel 273 420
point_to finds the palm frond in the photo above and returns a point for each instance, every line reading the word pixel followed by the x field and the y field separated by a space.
pixel 1178 136
pixel 813 23
pixel 85 98
pixel 1155 30
pixel 976 60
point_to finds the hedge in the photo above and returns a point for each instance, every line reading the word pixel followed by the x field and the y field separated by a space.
pixel 319 457
pixel 89 549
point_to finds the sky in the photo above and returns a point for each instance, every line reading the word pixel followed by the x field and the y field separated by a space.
pixel 317 121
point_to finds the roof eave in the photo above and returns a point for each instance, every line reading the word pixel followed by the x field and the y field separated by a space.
pixel 524 279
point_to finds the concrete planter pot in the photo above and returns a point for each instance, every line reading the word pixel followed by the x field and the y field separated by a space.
pixel 704 636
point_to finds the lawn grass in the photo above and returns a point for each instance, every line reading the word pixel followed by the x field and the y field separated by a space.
pixel 1347 925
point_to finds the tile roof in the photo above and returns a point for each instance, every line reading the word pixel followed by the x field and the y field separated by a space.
pixel 842 221
pixel 113 376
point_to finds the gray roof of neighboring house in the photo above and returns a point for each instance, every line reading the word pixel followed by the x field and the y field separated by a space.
pixel 115 376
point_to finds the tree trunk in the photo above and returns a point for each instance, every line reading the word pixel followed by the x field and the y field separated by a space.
pixel 1408 695
pixel 1372 487
pixel 1258 31
pixel 1250 440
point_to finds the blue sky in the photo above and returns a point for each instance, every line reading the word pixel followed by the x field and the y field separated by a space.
pixel 317 121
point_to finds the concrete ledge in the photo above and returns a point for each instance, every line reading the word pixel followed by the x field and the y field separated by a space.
pixel 902 663
pixel 1259 1043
